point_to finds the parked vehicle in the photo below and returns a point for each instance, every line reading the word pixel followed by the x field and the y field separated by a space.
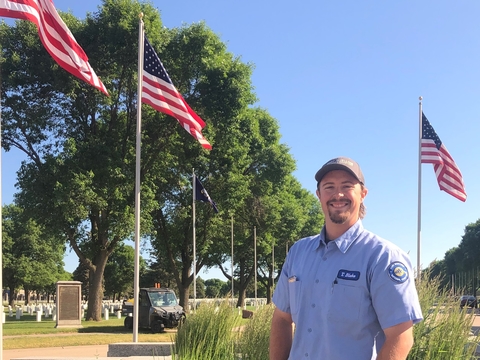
pixel 158 310
pixel 469 301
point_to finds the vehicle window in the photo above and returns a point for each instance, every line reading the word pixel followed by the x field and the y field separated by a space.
pixel 143 299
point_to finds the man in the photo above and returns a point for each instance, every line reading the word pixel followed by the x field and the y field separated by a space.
pixel 349 293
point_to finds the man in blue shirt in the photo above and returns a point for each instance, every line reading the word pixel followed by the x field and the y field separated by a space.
pixel 345 294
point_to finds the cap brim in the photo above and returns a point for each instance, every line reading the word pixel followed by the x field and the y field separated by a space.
pixel 330 167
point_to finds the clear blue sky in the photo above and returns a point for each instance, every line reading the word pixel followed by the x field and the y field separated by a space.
pixel 343 79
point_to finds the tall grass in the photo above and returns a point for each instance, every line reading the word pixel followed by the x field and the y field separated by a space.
pixel 445 332
pixel 208 334
pixel 254 339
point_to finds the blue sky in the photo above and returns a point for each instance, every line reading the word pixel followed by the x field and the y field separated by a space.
pixel 343 79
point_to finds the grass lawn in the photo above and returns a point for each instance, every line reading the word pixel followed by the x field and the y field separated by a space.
pixel 28 333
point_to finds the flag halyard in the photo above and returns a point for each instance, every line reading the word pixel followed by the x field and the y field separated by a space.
pixel 55 37
pixel 159 92
pixel 433 151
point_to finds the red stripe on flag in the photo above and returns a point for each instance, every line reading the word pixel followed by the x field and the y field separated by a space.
pixel 55 36
pixel 161 94
pixel 448 174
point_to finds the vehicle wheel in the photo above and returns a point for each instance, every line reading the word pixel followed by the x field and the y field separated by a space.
pixel 157 327
pixel 128 323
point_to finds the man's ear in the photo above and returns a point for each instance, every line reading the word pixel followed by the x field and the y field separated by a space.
pixel 364 192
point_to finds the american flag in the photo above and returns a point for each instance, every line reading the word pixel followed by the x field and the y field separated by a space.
pixel 55 36
pixel 447 172
pixel 159 92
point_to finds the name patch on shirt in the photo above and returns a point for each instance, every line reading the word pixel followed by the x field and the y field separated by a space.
pixel 398 272
pixel 348 274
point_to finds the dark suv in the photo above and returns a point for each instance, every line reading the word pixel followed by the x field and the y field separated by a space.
pixel 469 301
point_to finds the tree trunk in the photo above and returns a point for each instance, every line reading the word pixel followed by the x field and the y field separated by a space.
pixel 95 288
pixel 183 293
pixel 269 290
pixel 242 294
pixel 11 300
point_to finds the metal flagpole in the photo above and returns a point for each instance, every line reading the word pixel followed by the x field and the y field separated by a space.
pixel 419 209
pixel 255 260
pixel 273 263
pixel 231 236
pixel 194 244
pixel 1 216
pixel 136 271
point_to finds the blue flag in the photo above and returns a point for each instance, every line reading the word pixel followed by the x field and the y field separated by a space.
pixel 202 194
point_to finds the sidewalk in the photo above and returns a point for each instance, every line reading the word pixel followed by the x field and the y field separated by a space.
pixel 89 352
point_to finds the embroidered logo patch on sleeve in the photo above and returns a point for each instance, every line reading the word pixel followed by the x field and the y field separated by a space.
pixel 398 272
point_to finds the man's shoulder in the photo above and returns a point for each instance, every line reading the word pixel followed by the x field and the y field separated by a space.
pixel 309 241
pixel 374 240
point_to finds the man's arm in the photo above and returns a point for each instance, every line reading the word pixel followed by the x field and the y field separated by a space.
pixel 281 335
pixel 398 342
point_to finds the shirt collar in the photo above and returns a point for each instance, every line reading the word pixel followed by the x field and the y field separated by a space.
pixel 345 240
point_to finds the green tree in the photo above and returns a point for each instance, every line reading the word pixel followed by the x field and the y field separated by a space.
pixel 119 272
pixel 216 288
pixel 32 257
pixel 79 176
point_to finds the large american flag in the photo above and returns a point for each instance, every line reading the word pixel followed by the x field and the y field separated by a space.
pixel 447 172
pixel 55 36
pixel 159 92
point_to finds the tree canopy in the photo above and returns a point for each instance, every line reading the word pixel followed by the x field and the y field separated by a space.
pixel 79 178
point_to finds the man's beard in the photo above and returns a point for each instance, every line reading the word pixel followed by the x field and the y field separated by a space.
pixel 338 218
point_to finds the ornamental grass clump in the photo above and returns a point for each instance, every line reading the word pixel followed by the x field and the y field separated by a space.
pixel 207 334
pixel 445 333
pixel 254 338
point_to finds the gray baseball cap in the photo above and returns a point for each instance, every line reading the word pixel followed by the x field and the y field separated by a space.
pixel 340 163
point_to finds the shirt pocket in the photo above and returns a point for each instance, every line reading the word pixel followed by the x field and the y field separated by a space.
pixel 294 290
pixel 345 303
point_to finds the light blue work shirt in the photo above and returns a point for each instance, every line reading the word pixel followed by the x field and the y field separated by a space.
pixel 342 294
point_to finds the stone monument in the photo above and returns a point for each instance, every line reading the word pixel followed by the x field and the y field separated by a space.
pixel 68 304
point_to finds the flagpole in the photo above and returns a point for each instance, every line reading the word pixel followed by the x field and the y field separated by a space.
pixel 255 261
pixel 194 244
pixel 419 209
pixel 231 237
pixel 1 215
pixel 136 276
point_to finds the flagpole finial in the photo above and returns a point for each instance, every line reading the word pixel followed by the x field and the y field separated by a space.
pixel 420 98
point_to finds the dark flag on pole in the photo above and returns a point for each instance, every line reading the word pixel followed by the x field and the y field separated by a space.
pixel 202 194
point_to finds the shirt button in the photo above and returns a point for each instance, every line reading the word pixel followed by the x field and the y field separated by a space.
pixel 306 354
pixel 316 281
pixel 310 330
pixel 324 258
pixel 313 305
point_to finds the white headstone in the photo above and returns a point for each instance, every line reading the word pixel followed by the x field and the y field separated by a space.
pixel 39 316
pixel 105 314
pixel 119 314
